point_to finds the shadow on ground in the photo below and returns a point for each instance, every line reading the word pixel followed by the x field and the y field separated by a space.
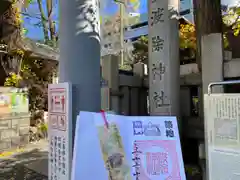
pixel 21 166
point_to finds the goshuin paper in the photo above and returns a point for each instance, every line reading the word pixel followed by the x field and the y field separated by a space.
pixel 129 148
pixel 156 150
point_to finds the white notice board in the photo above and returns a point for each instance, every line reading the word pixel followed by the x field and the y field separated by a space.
pixel 222 133
pixel 59 131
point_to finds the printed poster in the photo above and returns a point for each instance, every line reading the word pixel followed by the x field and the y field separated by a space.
pixel 5 103
pixel 13 102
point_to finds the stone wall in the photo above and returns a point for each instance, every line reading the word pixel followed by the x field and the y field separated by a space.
pixel 14 132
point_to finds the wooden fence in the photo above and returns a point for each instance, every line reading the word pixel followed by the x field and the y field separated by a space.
pixel 124 92
pixel 127 93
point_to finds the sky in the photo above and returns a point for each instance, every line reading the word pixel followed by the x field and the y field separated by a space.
pixel 109 9
pixel 30 23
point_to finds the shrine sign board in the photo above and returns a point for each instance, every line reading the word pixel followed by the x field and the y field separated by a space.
pixel 59 131
pixel 222 134
pixel 159 57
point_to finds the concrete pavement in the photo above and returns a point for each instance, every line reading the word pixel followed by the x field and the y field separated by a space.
pixel 31 164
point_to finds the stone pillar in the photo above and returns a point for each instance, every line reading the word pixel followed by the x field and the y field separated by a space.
pixel 174 63
pixel 110 74
pixel 212 71
pixel 212 61
pixel 80 53
pixel 139 70
pixel 163 58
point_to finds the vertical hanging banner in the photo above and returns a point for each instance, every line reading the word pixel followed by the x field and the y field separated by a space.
pixel 59 131
pixel 159 57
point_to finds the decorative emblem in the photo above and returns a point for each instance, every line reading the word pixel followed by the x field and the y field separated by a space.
pixel 152 130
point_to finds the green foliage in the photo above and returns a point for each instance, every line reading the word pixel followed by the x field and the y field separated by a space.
pixel 43 127
pixel 125 67
pixel 187 40
pixel 231 18
pixel 225 41
pixel 24 31
pixel 140 52
pixel 187 36
pixel 35 75
pixel 12 80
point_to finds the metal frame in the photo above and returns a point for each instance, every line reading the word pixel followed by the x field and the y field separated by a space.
pixel 221 83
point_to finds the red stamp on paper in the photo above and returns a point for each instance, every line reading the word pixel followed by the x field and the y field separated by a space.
pixel 158 159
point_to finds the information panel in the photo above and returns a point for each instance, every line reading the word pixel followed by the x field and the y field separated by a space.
pixel 222 123
pixel 60 131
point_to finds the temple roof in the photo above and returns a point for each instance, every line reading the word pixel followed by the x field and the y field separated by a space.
pixel 40 50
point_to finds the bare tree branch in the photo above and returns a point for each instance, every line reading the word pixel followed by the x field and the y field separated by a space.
pixel 30 16
pixel 44 20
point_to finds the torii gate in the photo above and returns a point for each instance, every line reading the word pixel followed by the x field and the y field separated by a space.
pixel 80 54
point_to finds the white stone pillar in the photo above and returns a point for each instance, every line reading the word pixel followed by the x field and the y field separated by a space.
pixel 163 58
pixel 212 61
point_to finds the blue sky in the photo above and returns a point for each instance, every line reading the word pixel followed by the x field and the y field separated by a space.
pixel 34 31
pixel 111 8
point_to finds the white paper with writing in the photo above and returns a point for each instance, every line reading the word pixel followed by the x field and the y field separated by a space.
pixel 150 148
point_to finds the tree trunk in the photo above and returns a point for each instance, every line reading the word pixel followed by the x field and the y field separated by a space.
pixel 10 25
pixel 50 21
pixel 198 23
pixel 211 16
pixel 44 21
pixel 208 19
pixel 10 34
